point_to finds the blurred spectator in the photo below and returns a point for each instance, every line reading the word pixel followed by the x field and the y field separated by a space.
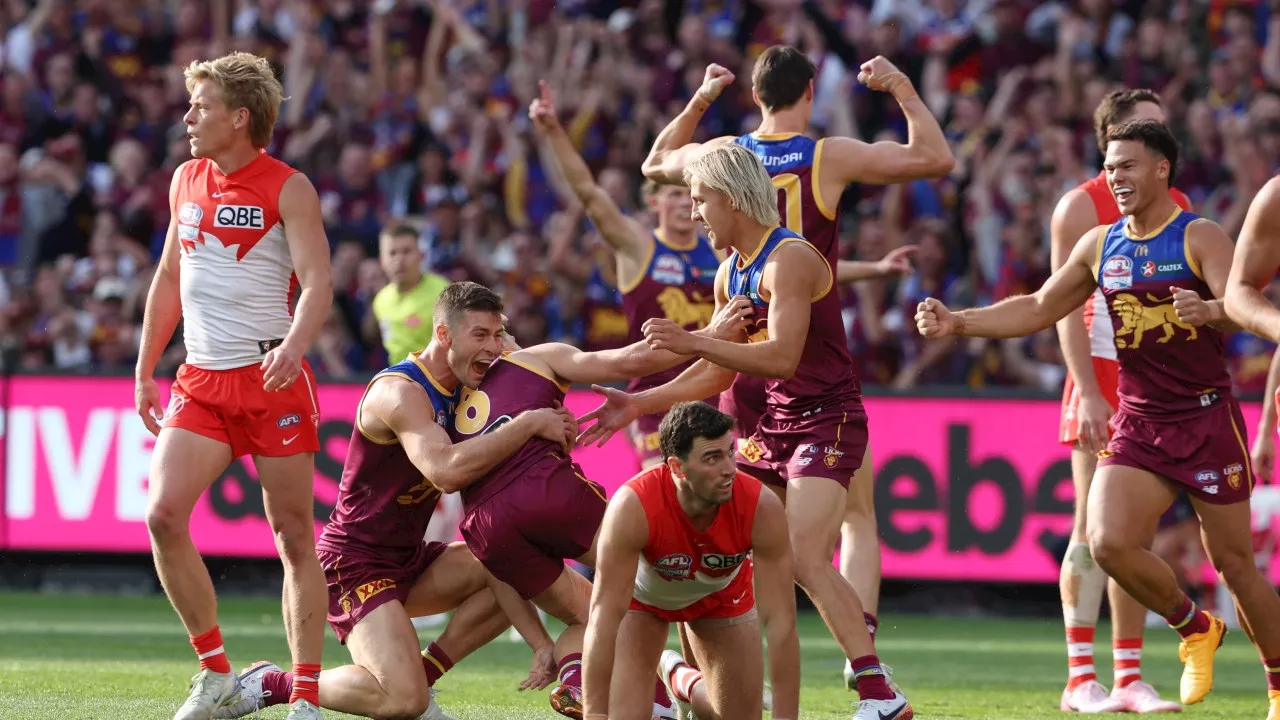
pixel 413 112
pixel 404 308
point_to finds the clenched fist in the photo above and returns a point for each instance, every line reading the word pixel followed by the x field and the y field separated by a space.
pixel 934 320
pixel 713 82
pixel 1190 307
pixel 880 74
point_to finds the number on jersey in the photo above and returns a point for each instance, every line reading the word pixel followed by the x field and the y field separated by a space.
pixel 789 185
pixel 473 414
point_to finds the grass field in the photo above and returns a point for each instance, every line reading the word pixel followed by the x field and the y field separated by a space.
pixel 100 657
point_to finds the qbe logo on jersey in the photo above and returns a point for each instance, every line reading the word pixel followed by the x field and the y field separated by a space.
pixel 1117 273
pixel 245 217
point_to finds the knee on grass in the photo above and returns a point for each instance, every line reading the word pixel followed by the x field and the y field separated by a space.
pixel 405 704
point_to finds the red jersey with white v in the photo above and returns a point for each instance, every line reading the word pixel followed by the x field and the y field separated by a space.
pixel 236 272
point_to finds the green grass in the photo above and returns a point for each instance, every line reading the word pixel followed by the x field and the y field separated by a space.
pixel 100 657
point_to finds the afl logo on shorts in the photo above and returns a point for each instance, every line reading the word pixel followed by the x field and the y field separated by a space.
pixel 288 420
pixel 1117 273
pixel 190 214
pixel 677 566
pixel 1207 477
pixel 248 217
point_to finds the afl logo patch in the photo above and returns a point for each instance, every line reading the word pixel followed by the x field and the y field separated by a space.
pixel 287 420
pixel 676 565
pixel 1117 273
pixel 249 217
pixel 190 214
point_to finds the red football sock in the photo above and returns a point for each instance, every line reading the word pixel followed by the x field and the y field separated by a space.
pixel 1080 657
pixel 870 677
pixel 683 679
pixel 436 662
pixel 1272 667
pixel 306 683
pixel 1188 619
pixel 1126 654
pixel 209 649
pixel 571 670
pixel 277 687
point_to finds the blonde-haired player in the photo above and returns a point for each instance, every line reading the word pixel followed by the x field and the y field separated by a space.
pixel 246 232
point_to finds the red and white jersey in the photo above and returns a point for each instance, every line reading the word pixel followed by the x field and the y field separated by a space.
pixel 1102 336
pixel 681 565
pixel 236 273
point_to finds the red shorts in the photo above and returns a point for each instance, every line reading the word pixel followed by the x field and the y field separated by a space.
pixel 361 581
pixel 523 533
pixel 1206 454
pixel 736 599
pixel 830 443
pixel 231 407
pixel 1108 374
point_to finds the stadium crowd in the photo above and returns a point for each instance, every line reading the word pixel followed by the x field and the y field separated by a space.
pixel 414 113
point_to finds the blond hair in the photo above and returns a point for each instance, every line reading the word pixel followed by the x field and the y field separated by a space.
pixel 737 173
pixel 244 81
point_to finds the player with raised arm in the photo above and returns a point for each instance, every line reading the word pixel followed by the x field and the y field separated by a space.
pixel 535 509
pixel 693 541
pixel 1088 400
pixel 1256 262
pixel 246 232
pixel 810 177
pixel 379 569
pixel 1177 427
pixel 665 271
pixel 813 438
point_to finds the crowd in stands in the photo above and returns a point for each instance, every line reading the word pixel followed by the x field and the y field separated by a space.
pixel 413 113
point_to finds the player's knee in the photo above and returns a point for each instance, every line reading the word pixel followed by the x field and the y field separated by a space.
pixel 166 522
pixel 1235 566
pixel 295 539
pixel 808 565
pixel 1108 548
pixel 404 701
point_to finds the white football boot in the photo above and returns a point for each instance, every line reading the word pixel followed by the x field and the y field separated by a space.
pixel 252 697
pixel 896 708
pixel 209 691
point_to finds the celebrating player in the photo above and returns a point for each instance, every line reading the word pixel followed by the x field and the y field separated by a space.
pixel 691 541
pixel 664 272
pixel 1177 427
pixel 1088 399
pixel 535 509
pixel 810 177
pixel 814 435
pixel 246 228
pixel 380 571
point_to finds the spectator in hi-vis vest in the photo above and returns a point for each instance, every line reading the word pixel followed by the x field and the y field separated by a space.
pixel 404 307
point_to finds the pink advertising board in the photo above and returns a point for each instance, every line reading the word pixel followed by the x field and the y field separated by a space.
pixel 966 489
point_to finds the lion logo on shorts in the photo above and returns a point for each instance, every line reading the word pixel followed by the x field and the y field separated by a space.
pixel 346 604
pixel 1137 319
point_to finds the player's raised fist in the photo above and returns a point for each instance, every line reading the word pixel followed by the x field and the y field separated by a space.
pixel 880 74
pixel 542 111
pixel 1190 307
pixel 714 82
pixel 934 320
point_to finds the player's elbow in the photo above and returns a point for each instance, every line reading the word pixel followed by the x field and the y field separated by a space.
pixel 1233 301
pixel 785 365
pixel 654 167
pixel 942 165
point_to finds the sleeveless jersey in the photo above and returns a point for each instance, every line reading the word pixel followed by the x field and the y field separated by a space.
pixel 1101 341
pixel 604 324
pixel 509 388
pixel 680 564
pixel 677 284
pixel 383 499
pixel 792 160
pixel 1168 369
pixel 237 275
pixel 825 373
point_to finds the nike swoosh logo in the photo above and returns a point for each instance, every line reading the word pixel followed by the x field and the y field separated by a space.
pixel 216 195
pixel 289 440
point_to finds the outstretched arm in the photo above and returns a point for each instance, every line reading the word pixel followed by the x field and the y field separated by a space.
pixel 896 262
pixel 775 594
pixel 1064 291
pixel 1257 257
pixel 622 539
pixel 672 149
pixel 403 408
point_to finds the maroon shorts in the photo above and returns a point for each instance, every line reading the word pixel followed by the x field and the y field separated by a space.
pixel 828 443
pixel 361 580
pixel 523 533
pixel 1205 454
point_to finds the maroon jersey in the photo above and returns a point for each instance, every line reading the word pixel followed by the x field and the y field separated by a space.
pixel 383 499
pixel 509 388
pixel 792 161
pixel 825 373
pixel 604 324
pixel 677 284
pixel 1169 369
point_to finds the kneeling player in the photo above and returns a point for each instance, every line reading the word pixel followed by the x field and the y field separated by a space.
pixel 703 538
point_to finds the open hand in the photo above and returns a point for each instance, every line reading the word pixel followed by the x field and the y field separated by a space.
pixel 558 425
pixel 897 262
pixel 618 411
